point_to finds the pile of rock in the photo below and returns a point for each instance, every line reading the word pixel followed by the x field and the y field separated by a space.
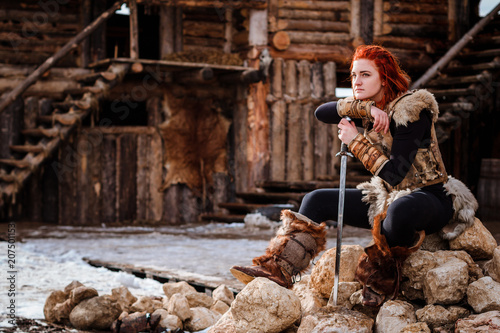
pixel 182 308
pixel 447 286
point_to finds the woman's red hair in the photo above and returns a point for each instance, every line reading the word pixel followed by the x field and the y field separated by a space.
pixel 396 80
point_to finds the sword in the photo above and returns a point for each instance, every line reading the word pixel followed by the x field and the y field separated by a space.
pixel 344 152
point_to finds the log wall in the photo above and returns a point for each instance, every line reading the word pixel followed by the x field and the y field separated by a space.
pixel 32 30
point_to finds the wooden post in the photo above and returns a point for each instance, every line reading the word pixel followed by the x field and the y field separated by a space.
pixel 378 17
pixel 108 180
pixel 179 43
pixel 167 28
pixel 304 92
pixel 228 30
pixel 355 19
pixel 134 30
pixel 278 140
pixel 51 61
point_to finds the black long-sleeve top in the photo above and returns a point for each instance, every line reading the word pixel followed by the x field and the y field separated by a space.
pixel 406 141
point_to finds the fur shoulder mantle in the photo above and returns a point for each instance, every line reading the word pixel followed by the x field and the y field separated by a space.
pixel 407 108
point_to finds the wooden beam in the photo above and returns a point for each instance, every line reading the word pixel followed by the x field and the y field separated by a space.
pixel 51 61
pixel 228 30
pixel 167 26
pixel 134 30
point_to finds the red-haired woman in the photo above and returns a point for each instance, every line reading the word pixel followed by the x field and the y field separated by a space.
pixel 399 147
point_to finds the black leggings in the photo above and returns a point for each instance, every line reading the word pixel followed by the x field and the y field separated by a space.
pixel 419 210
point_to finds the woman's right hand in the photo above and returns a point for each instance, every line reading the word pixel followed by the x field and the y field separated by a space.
pixel 380 119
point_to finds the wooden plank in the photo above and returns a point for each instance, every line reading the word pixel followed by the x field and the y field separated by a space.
pixel 330 80
pixel 228 30
pixel 307 14
pixel 290 77
pixel 126 171
pixel 307 141
pixel 294 153
pixel 50 195
pixel 221 189
pixel 167 25
pixel 240 139
pixel 155 208
pixel 278 140
pixel 143 178
pixel 277 78
pixel 308 37
pixel 313 25
pixel 109 180
pixel 67 174
pixel 94 157
pixel 172 213
pixel 315 5
pixel 11 123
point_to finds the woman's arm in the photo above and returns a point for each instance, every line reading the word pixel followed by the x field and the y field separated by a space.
pixel 327 113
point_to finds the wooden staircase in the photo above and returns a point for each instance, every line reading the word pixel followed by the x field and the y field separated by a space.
pixel 53 127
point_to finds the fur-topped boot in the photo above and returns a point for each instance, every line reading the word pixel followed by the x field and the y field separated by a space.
pixel 289 253
pixel 379 267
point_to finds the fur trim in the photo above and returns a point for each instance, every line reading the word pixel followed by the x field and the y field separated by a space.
pixel 464 205
pixel 407 109
pixel 375 194
pixel 292 223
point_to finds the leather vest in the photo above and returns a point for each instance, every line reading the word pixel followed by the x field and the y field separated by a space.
pixel 427 168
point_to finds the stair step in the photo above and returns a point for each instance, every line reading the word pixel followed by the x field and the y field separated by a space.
pixel 454 80
pixel 41 132
pixel 267 197
pixel 7 178
pixel 83 90
pixel 27 149
pixel 226 218
pixel 21 164
pixel 62 118
pixel 438 93
pixel 92 77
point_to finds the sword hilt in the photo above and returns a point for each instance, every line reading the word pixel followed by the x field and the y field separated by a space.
pixel 344 150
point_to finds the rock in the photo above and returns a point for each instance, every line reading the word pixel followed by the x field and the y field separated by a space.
pixel 225 324
pixel 222 293
pixel 168 321
pixel 178 305
pixel 219 307
pixel 310 300
pixel 264 306
pixel 446 284
pixel 54 298
pixel 123 297
pixel 437 315
pixel 197 299
pixel 484 322
pixel 346 289
pixel 62 310
pixel 336 319
pixel 96 313
pixel 416 328
pixel 182 287
pixel 394 316
pixel 434 242
pixel 475 240
pixel 144 304
pixel 201 318
pixel 74 284
pixel 81 293
pixel 484 295
pixel 416 267
pixel 492 267
pixel 323 273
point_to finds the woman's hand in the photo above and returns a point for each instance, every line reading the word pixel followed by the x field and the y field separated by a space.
pixel 347 131
pixel 380 119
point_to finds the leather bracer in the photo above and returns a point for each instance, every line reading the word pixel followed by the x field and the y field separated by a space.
pixel 355 108
pixel 371 157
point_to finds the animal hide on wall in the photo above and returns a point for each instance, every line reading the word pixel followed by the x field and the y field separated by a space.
pixel 195 141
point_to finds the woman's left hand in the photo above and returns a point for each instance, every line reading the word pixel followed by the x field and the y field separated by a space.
pixel 347 131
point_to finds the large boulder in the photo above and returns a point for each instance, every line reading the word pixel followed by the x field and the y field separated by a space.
pixel 394 316
pixel 97 313
pixel 323 273
pixel 492 267
pixel 446 284
pixel 484 322
pixel 201 319
pixel 182 287
pixel 265 307
pixel 475 240
pixel 336 319
pixel 484 295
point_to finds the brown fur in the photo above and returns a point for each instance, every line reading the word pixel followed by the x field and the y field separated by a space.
pixel 379 268
pixel 194 138
pixel 292 223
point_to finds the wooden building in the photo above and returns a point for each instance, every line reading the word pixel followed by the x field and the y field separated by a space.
pixel 184 110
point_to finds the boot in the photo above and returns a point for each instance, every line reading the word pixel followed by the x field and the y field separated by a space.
pixel 296 243
pixel 379 267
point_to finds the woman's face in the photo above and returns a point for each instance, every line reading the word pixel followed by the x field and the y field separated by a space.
pixel 366 82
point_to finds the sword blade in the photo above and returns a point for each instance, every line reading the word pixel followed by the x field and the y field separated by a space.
pixel 340 221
